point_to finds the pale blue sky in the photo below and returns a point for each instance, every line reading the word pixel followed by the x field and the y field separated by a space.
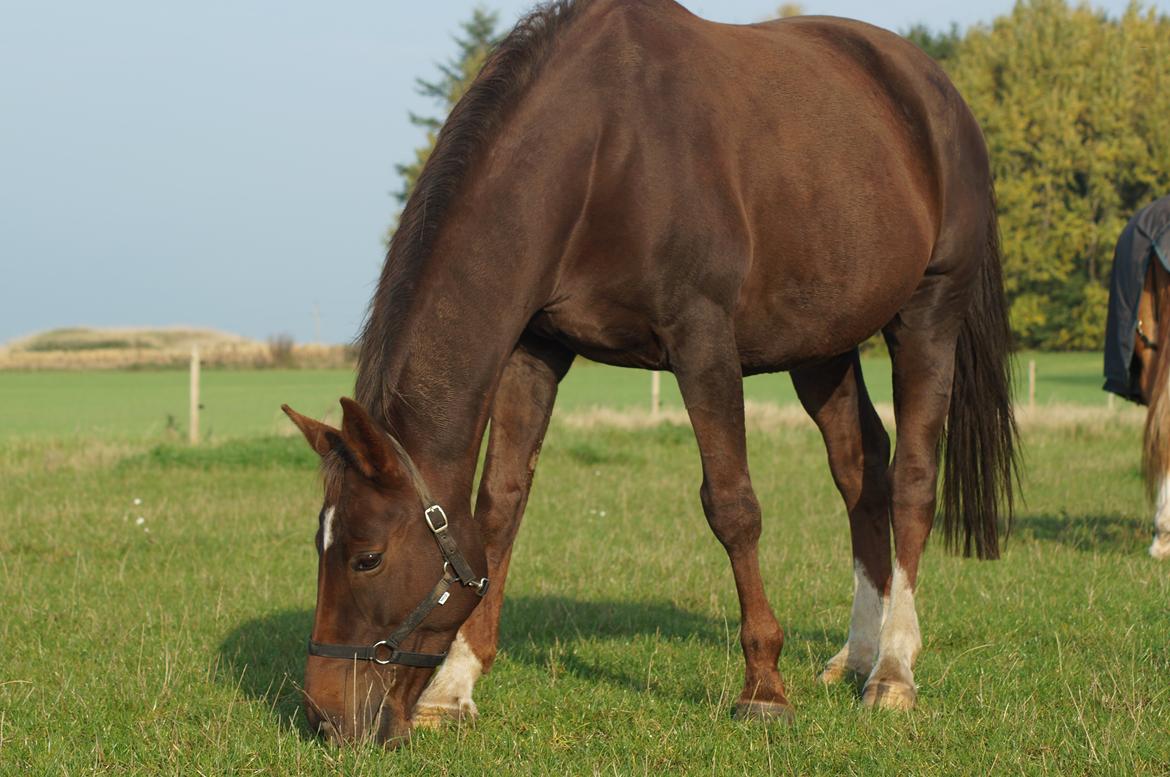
pixel 229 163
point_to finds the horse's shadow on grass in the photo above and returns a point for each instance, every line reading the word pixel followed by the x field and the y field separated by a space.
pixel 1115 533
pixel 265 657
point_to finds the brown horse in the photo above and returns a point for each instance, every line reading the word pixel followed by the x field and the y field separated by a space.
pixel 629 182
pixel 1155 390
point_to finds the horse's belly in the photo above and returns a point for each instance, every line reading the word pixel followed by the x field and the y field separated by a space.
pixel 605 334
pixel 788 316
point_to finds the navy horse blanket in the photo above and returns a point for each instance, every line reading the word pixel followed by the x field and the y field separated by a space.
pixel 1146 236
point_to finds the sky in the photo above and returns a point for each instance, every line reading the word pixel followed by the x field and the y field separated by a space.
pixel 230 163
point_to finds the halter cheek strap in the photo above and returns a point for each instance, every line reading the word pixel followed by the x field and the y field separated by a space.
pixel 455 570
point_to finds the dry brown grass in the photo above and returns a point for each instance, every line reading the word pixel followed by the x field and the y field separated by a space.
pixel 767 417
pixel 128 348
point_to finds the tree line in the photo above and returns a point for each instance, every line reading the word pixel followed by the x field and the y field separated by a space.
pixel 1075 107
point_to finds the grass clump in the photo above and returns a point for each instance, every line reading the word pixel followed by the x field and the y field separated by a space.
pixel 247 453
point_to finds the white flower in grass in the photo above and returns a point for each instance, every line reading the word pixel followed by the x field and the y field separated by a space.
pixel 137 501
pixel 139 521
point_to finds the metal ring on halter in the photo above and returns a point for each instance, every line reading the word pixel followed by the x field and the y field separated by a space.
pixel 389 659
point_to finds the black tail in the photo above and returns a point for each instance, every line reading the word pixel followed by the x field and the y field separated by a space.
pixel 980 465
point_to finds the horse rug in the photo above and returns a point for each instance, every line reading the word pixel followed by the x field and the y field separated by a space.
pixel 1147 235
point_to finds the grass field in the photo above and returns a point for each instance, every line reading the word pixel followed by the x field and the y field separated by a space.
pixel 167 636
pixel 238 403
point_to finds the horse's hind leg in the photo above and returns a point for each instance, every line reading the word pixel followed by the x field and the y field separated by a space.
pixel 834 395
pixel 520 415
pixel 922 349
pixel 706 363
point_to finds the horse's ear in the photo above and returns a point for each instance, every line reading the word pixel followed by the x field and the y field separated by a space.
pixel 367 445
pixel 319 435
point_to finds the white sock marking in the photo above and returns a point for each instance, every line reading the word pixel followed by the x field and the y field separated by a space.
pixel 454 681
pixel 1160 548
pixel 900 640
pixel 865 621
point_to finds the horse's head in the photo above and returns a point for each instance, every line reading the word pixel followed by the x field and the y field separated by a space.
pixel 395 581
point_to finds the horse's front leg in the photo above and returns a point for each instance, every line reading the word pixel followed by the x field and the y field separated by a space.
pixel 520 415
pixel 706 363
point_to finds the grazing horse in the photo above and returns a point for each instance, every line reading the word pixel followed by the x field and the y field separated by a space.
pixel 1137 335
pixel 627 181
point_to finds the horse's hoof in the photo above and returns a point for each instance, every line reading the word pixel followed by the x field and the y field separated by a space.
pixel 1160 549
pixel 764 711
pixel 836 671
pixel 843 666
pixel 435 716
pixel 832 674
pixel 885 695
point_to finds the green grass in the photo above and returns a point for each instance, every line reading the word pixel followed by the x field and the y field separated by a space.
pixel 132 405
pixel 175 646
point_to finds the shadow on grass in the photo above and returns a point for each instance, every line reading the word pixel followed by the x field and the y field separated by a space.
pixel 543 631
pixel 537 631
pixel 1089 533
pixel 265 657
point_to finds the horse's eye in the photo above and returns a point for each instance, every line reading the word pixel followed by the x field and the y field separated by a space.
pixel 367 561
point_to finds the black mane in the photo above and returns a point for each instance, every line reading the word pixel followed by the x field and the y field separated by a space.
pixel 509 70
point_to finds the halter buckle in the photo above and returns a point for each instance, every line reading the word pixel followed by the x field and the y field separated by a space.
pixel 435 509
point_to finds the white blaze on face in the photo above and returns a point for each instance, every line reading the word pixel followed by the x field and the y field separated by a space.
pixel 1160 548
pixel 449 692
pixel 327 530
pixel 901 639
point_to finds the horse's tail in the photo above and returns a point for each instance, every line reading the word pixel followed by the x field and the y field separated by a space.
pixel 979 463
pixel 1156 446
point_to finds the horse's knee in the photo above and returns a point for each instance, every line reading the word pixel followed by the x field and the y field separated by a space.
pixel 733 512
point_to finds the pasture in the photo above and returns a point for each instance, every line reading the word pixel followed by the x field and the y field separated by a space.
pixel 239 403
pixel 155 599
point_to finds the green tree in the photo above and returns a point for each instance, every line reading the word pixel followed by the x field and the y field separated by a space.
pixel 939 45
pixel 1075 107
pixel 477 38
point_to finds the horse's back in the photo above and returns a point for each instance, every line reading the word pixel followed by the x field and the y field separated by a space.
pixel 797 170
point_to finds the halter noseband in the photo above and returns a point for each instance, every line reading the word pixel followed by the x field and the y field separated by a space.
pixel 455 570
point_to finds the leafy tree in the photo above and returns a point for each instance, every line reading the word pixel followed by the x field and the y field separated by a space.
pixel 939 45
pixel 1075 107
pixel 477 38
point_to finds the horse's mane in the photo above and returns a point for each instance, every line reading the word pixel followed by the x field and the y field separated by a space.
pixel 509 70
pixel 1156 443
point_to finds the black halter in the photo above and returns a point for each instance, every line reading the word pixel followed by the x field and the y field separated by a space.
pixel 455 570
pixel 1146 341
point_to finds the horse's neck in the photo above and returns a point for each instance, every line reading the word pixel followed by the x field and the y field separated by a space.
pixel 466 311
pixel 491 268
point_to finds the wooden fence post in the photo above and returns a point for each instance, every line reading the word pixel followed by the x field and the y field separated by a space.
pixel 194 430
